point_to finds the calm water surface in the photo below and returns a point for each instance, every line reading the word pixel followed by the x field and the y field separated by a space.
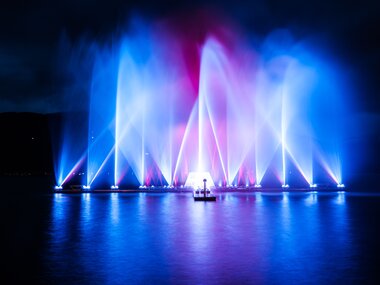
pixel 243 238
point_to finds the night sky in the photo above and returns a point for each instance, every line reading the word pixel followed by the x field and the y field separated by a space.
pixel 32 30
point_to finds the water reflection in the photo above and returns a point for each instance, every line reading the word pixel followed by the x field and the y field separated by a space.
pixel 341 198
pixel 85 209
pixel 59 230
pixel 259 198
pixel 168 238
pixel 114 208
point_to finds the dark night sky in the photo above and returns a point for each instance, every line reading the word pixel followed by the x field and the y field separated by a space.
pixel 30 32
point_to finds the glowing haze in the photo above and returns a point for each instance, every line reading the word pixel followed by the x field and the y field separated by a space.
pixel 165 101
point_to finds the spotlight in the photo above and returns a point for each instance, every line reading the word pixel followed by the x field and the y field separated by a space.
pixel 86 187
pixel 340 185
pixel 313 185
pixel 285 186
pixel 141 187
pixel 257 186
pixel 114 187
pixel 58 187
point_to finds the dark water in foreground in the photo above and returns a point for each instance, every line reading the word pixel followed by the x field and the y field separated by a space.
pixel 243 238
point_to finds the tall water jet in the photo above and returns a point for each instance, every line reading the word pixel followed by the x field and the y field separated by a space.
pixel 101 135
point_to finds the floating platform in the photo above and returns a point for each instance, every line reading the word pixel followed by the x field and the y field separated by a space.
pixel 199 195
pixel 203 198
pixel 74 189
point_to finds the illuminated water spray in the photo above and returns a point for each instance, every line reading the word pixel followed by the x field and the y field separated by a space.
pixel 244 116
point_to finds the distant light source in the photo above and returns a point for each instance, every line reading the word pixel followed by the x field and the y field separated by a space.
pixel 114 187
pixel 58 187
pixel 257 186
pixel 86 187
pixel 340 185
pixel 285 186
pixel 195 180
pixel 313 185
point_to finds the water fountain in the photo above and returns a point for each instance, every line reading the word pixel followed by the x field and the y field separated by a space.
pixel 248 116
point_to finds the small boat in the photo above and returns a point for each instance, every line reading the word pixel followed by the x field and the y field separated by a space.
pixel 203 194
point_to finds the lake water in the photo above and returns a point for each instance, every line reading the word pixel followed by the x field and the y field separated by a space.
pixel 243 238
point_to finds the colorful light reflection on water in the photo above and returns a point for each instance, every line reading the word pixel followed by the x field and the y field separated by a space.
pixel 245 238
